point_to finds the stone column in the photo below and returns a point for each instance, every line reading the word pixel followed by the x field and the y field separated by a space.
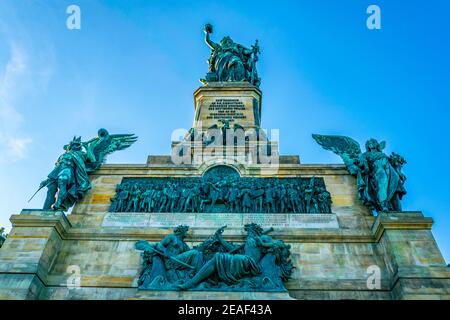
pixel 413 260
pixel 28 254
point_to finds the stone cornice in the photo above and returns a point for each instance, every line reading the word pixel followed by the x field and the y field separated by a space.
pixel 186 170
pixel 41 218
pixel 400 221
pixel 58 220
pixel 201 234
pixel 226 86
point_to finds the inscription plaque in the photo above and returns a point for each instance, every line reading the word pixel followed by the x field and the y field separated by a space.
pixel 218 219
pixel 215 220
pixel 226 109
pixel 313 221
pixel 171 219
pixel 277 220
pixel 126 220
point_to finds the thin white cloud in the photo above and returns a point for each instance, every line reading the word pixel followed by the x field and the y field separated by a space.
pixel 13 143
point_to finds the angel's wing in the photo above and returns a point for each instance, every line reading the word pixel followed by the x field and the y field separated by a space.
pixel 345 147
pixel 106 144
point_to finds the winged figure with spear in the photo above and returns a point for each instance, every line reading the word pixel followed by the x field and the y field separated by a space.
pixel 69 181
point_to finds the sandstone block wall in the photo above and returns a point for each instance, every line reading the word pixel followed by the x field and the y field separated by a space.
pixel 330 263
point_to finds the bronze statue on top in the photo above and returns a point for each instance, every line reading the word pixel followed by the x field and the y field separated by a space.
pixel 230 61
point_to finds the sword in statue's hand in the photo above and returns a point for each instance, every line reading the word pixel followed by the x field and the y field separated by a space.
pixel 41 186
pixel 170 257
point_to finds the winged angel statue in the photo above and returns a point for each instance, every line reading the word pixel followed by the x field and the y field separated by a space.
pixel 380 179
pixel 69 181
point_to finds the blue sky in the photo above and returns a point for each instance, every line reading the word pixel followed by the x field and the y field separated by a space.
pixel 134 65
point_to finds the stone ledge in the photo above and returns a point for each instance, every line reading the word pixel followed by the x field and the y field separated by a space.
pixel 421 288
pixel 330 284
pixel 95 281
pixel 227 86
pixel 278 221
pixel 340 294
pixel 424 279
pixel 400 221
pixel 304 283
pixel 42 218
pixel 23 286
pixel 416 272
pixel 159 159
pixel 93 293
pixel 58 220
pixel 201 234
pixel 290 159
pixel 209 295
pixel 170 170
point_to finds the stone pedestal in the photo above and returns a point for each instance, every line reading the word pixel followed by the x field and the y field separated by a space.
pixel 414 263
pixel 239 102
pixel 227 125
pixel 29 252
pixel 332 261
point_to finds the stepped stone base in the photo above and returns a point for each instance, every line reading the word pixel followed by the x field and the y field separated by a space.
pixel 210 295
pixel 334 255
pixel 331 263
pixel 61 293
pixel 349 254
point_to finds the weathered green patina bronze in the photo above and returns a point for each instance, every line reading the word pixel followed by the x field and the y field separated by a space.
pixel 69 180
pixel 380 179
pixel 2 236
pixel 230 61
pixel 221 189
pixel 260 264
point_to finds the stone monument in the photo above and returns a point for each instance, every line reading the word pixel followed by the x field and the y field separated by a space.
pixel 224 216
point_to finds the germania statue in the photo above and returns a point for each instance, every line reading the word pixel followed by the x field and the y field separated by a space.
pixel 69 181
pixel 230 61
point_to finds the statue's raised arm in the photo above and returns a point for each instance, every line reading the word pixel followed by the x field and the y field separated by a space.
pixel 208 30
